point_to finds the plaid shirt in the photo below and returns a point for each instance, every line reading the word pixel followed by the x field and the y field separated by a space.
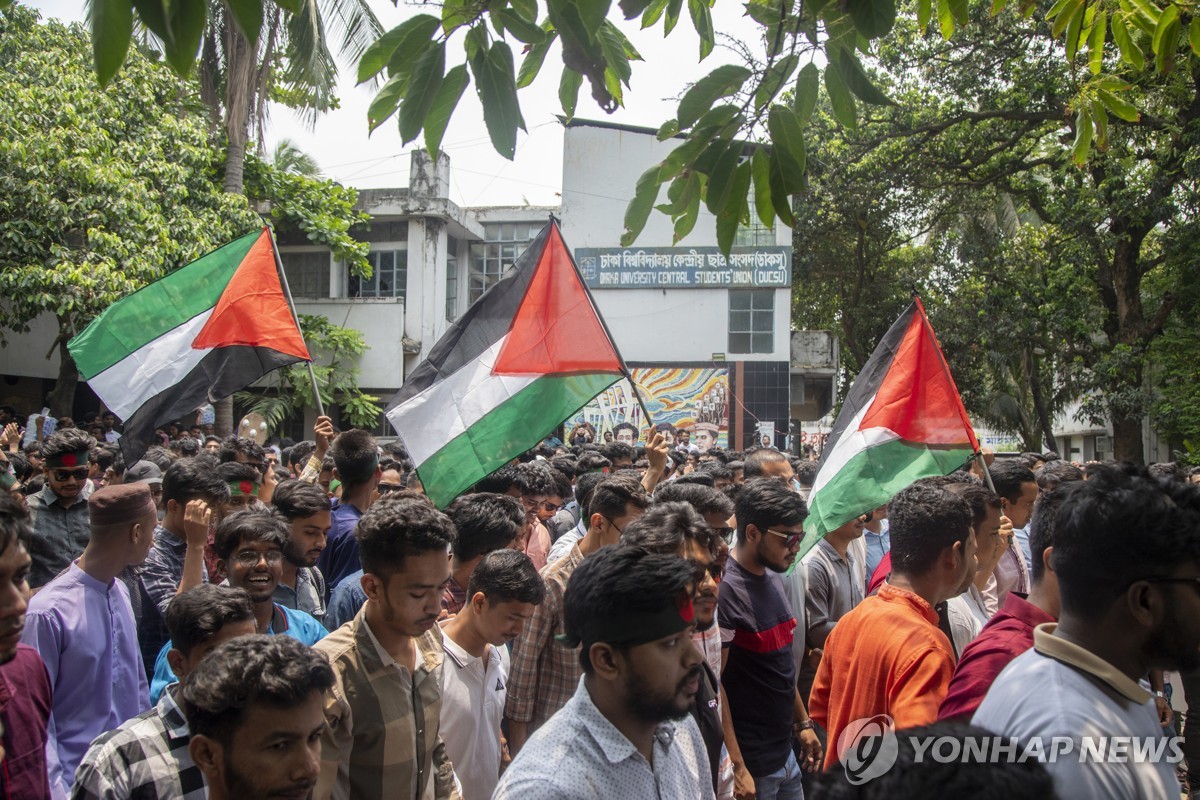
pixel 544 673
pixel 383 736
pixel 145 758
pixel 59 532
pixel 308 596
pixel 454 597
pixel 160 576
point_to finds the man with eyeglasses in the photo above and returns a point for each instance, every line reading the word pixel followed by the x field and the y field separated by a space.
pixel 676 529
pixel 535 486
pixel 60 510
pixel 545 673
pixel 764 712
pixel 1123 611
pixel 249 546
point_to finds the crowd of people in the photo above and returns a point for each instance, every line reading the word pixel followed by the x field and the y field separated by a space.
pixel 598 620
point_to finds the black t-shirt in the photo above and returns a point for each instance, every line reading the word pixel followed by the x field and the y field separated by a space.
pixel 707 714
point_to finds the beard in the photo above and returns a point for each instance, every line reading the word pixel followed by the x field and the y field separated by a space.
pixel 653 708
pixel 239 784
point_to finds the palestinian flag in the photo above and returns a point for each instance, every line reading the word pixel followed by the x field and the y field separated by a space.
pixel 200 333
pixel 902 420
pixel 527 355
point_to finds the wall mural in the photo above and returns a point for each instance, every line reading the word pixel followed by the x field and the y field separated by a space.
pixel 686 397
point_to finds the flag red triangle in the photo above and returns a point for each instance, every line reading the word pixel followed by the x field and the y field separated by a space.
pixel 253 311
pixel 918 398
pixel 556 329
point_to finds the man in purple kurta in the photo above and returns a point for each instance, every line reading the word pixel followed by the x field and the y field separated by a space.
pixel 82 625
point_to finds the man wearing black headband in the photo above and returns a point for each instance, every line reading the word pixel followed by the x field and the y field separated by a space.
pixel 626 732
pixel 60 510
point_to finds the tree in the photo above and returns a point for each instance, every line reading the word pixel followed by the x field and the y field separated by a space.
pixel 101 191
pixel 287 157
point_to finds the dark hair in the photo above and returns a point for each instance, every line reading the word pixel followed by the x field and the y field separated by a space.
pixel 752 466
pixel 567 465
pixel 295 499
pixel 666 527
pixel 1008 475
pixel 14 523
pixel 620 583
pixel 499 482
pixel 397 527
pixel 1041 529
pixel 1029 459
pixel 160 457
pixel 72 440
pixel 277 671
pixel 299 453
pixel 1093 557
pixel 484 522
pixel 1055 472
pixel 1168 470
pixel 186 447
pixel 249 525
pixel 806 472
pixel 735 465
pixel 978 498
pixel 355 456
pixel 193 479
pixel 766 502
pixel 704 499
pixel 591 461
pixel 697 478
pixel 620 426
pixel 584 485
pixel 615 450
pixel 395 449
pixel 200 613
pixel 21 467
pixel 923 521
pixel 717 470
pixel 232 446
pixel 535 478
pixel 104 457
pixel 506 576
pixel 613 493
pixel 971 776
pixel 386 464
pixel 237 471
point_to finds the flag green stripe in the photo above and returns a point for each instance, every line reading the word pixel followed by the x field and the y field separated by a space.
pixel 870 478
pixel 512 427
pixel 152 311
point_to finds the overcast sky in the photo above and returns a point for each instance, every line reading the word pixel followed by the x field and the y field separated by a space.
pixel 479 176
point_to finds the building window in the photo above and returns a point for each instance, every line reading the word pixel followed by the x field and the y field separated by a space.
pixel 451 283
pixel 503 243
pixel 389 276
pixel 755 234
pixel 307 273
pixel 751 320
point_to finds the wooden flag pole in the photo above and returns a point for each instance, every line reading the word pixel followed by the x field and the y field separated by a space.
pixel 287 292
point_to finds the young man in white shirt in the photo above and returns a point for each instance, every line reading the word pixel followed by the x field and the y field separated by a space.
pixel 502 593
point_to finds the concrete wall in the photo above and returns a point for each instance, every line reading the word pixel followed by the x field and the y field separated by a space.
pixel 381 321
pixel 25 353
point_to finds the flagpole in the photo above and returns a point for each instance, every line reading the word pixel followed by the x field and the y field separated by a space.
pixel 287 292
pixel 591 300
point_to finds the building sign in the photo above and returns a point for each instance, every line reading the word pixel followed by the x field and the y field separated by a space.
pixel 685 268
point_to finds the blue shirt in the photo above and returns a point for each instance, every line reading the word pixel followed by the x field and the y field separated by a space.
pixel 348 598
pixel 340 556
pixel 1022 537
pixel 878 545
pixel 300 626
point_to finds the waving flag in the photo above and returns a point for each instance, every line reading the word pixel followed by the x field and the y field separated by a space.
pixel 200 333
pixel 902 420
pixel 527 355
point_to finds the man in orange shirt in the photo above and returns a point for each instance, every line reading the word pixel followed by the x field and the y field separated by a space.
pixel 887 655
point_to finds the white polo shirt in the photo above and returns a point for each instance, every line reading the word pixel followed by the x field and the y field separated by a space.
pixel 1059 689
pixel 473 694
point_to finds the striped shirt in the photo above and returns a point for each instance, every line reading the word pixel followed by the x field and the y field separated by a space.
pixel 146 758
pixel 545 673
pixel 383 736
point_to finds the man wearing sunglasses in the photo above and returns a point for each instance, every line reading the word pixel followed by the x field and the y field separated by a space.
pixel 60 510
pixel 764 712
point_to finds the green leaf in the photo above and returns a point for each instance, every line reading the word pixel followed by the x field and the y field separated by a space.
pixel 808 87
pixel 1166 31
pixel 476 41
pixel 528 9
pixel 857 80
pixel 702 21
pixel 960 11
pixel 685 223
pixel 1083 137
pixel 633 8
pixel 386 101
pixel 497 88
pixel 1100 123
pixel 1130 53
pixel 518 26
pixel 531 65
pixel 456 13
pixel 1164 58
pixel 111 26
pixel 615 54
pixel 674 7
pixel 787 140
pixel 945 19
pixel 1194 36
pixel 1069 10
pixel 667 130
pixel 153 15
pixel 773 81
pixel 734 210
pixel 1096 42
pixel 872 18
pixel 1119 107
pixel 721 82
pixel 423 86
pixel 291 6
pixel 653 13
pixel 760 167
pixel 449 93
pixel 185 26
pixel 781 198
pixel 249 17
pixel 840 99
pixel 721 177
pixel 641 205
pixel 568 91
pixel 680 194
pixel 379 54
pixel 924 14
pixel 683 156
pixel 1072 36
